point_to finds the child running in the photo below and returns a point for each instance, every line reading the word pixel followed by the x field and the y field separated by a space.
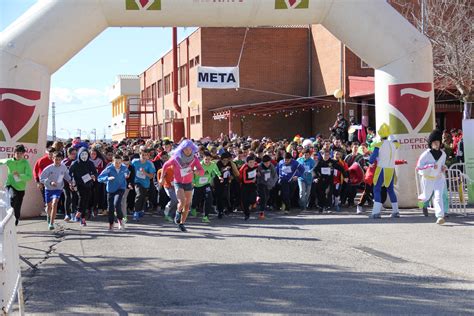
pixel 115 176
pixel 52 178
pixel 185 165
pixel 248 174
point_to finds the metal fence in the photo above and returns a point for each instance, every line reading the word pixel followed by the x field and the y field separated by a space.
pixel 10 273
pixel 457 183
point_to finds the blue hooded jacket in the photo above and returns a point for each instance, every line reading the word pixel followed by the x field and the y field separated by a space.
pixel 286 172
pixel 120 181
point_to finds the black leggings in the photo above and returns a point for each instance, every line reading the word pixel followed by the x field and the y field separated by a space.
pixel 84 199
pixel 200 195
pixel 249 196
pixel 16 199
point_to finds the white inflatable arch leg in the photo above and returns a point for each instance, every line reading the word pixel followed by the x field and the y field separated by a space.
pixel 53 31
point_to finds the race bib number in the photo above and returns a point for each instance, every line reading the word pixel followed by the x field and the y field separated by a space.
pixel 307 168
pixel 140 174
pixel 86 178
pixel 16 178
pixel 326 171
pixel 202 180
pixel 185 171
pixel 252 174
pixel 226 174
pixel 286 169
pixel 266 176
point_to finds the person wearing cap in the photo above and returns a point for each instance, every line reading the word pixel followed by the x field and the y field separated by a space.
pixel 384 176
pixel 18 174
pixel 431 166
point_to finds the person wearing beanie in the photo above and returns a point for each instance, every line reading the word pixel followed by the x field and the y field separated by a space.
pixel 384 175
pixel 431 167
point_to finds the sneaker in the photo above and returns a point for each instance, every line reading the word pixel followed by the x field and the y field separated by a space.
pixel 425 211
pixel 283 207
pixel 51 226
pixel 168 219
pixel 261 216
pixel 360 210
pixel 136 216
pixel 205 219
pixel 111 226
pixel 220 215
pixel 121 225
pixel 182 228
pixel 375 216
pixel 67 218
pixel 83 222
pixel 440 221
pixel 177 218
pixel 78 216
pixel 125 219
pixel 193 212
pixel 247 217
pixel 395 215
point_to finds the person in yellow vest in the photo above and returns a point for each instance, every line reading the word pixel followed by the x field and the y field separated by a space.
pixel 384 176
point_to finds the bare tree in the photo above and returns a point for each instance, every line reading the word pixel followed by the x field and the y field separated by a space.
pixel 448 25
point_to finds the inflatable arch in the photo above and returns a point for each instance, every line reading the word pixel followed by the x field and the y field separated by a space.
pixel 53 31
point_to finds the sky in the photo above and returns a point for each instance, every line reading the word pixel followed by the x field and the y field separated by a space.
pixel 85 81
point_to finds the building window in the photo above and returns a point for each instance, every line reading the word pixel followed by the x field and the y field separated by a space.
pixel 183 78
pixel 198 119
pixel 192 120
pixel 159 89
pixel 153 91
pixel 191 63
pixel 196 60
pixel 363 64
pixel 168 84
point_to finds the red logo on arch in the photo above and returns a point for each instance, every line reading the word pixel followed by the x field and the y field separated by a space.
pixel 411 99
pixel 16 108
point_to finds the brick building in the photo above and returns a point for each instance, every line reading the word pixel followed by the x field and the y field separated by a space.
pixel 288 76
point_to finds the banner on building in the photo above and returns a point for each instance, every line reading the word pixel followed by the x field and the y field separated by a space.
pixel 468 135
pixel 218 77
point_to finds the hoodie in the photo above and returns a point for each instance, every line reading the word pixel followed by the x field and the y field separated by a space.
pixel 119 181
pixel 268 176
pixel 81 170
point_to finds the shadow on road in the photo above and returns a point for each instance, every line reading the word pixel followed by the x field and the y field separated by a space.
pixel 150 286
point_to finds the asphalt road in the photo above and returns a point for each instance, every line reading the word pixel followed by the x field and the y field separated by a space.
pixel 302 263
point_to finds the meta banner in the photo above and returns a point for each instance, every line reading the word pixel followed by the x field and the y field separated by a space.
pixel 218 77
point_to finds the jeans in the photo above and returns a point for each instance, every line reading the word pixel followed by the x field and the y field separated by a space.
pixel 264 195
pixel 305 191
pixel 172 205
pixel 114 200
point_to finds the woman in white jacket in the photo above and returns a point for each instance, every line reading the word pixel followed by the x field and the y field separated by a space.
pixel 431 166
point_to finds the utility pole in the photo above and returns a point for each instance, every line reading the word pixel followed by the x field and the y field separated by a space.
pixel 53 113
pixel 79 132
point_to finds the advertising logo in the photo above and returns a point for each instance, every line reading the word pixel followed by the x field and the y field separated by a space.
pixel 412 111
pixel 17 108
pixel 143 5
pixel 291 4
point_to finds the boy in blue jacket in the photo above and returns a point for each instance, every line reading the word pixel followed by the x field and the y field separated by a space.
pixel 115 176
pixel 288 171
pixel 306 179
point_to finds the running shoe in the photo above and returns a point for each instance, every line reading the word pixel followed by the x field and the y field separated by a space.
pixel 205 219
pixel 83 222
pixel 193 212
pixel 67 218
pixel 375 216
pixel 440 221
pixel 125 218
pixel 136 216
pixel 247 217
pixel 111 226
pixel 395 215
pixel 177 218
pixel 51 226
pixel 220 215
pixel 121 225
pixel 182 228
pixel 360 210
pixel 168 219
pixel 425 211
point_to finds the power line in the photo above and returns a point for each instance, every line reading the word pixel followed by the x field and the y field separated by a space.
pixel 83 109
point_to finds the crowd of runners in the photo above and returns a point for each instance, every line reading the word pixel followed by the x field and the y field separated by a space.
pixel 82 180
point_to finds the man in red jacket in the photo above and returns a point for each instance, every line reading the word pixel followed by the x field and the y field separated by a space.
pixel 40 165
